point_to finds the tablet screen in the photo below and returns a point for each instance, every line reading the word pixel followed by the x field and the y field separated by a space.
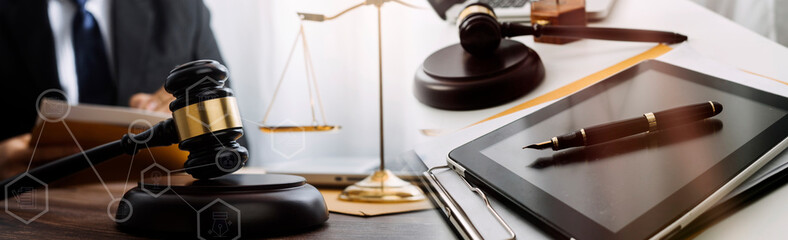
pixel 616 183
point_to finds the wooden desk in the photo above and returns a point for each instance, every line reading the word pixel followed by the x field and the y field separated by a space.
pixel 80 212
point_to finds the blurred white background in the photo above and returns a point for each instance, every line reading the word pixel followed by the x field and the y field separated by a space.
pixel 766 17
pixel 255 38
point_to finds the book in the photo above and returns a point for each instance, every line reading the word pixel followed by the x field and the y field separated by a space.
pixel 88 126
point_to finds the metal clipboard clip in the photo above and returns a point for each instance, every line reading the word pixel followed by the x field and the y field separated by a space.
pixel 457 215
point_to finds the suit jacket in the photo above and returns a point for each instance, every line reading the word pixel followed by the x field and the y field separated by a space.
pixel 150 38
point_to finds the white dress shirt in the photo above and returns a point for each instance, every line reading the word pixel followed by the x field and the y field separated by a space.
pixel 61 15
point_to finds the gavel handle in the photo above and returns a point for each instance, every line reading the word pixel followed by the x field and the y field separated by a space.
pixel 615 34
pixel 63 167
pixel 163 133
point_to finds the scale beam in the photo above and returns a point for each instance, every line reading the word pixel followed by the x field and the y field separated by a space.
pixel 314 17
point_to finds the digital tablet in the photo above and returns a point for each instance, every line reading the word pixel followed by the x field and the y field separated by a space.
pixel 647 185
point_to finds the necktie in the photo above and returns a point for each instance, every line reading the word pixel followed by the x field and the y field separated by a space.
pixel 93 76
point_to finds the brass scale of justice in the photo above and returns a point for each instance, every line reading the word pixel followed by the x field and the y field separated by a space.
pixel 382 185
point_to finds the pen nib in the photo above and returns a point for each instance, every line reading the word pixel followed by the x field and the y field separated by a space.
pixel 541 145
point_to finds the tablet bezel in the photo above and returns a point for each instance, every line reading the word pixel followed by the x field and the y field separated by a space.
pixel 563 219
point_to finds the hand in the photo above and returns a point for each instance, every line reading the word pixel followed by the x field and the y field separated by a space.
pixel 16 154
pixel 158 101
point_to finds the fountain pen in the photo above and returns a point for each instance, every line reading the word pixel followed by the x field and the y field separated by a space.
pixel 649 122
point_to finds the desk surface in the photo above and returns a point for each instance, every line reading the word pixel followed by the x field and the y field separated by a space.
pixel 79 212
pixel 75 214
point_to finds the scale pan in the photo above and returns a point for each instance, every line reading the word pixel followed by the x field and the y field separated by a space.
pixel 314 128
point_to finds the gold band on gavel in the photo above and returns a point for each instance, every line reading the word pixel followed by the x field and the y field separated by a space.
pixel 652 121
pixel 474 9
pixel 206 117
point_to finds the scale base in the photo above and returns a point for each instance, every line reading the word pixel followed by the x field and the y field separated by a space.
pixel 382 186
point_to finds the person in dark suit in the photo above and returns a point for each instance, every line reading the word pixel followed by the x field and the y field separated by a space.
pixel 96 51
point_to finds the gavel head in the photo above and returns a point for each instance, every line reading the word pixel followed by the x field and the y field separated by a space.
pixel 206 116
pixel 480 32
